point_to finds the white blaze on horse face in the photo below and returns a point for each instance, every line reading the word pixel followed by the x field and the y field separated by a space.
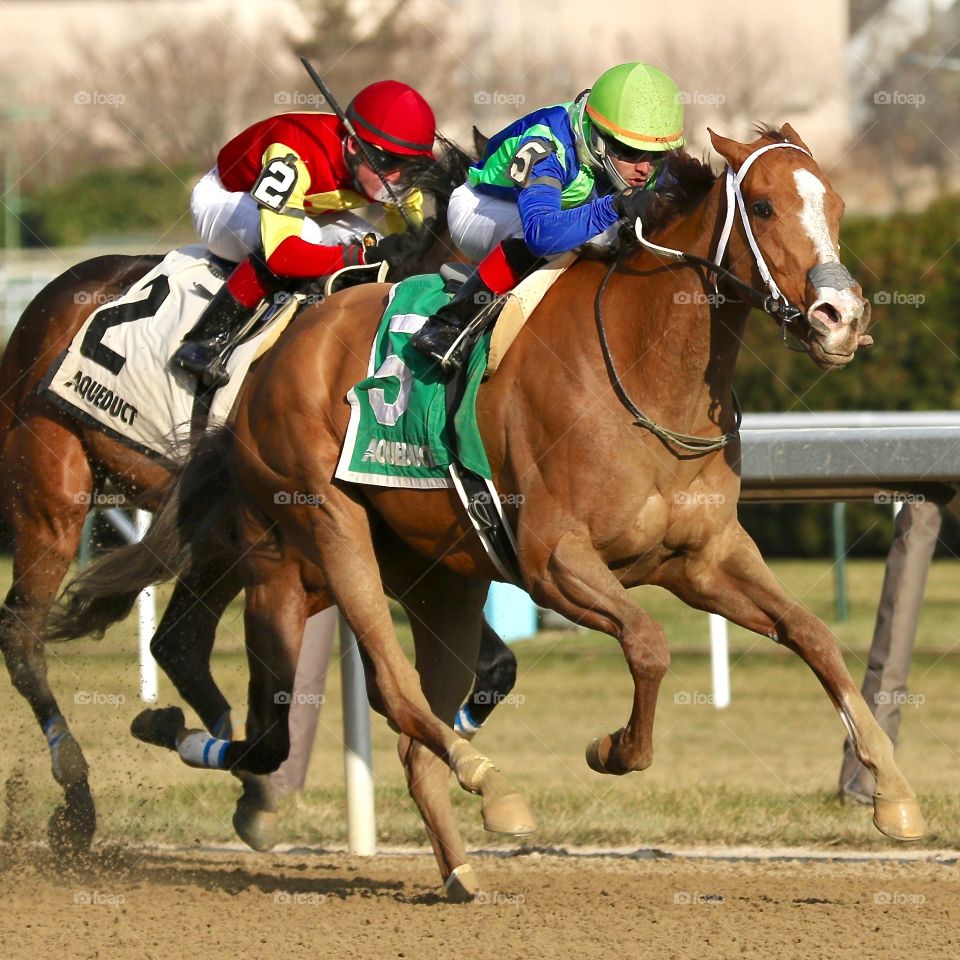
pixel 833 311
pixel 813 216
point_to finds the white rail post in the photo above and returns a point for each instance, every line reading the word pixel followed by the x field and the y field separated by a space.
pixel 719 661
pixel 357 760
pixel 147 608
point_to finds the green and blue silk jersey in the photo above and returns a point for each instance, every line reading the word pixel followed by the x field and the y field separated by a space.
pixel 534 163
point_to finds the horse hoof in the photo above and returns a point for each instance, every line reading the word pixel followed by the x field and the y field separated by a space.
pixel 72 825
pixel 159 727
pixel 67 762
pixel 462 885
pixel 898 819
pixel 255 827
pixel 255 816
pixel 509 814
pixel 598 757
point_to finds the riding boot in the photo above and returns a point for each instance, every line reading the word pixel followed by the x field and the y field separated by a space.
pixel 439 333
pixel 500 271
pixel 202 351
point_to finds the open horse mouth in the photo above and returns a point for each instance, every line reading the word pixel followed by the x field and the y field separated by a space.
pixel 835 332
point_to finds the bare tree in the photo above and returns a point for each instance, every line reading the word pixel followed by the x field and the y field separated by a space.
pixel 175 99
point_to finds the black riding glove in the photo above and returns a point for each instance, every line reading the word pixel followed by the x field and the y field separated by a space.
pixel 632 203
pixel 400 250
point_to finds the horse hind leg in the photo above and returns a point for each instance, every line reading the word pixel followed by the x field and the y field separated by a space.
pixel 46 486
pixel 446 614
pixel 339 542
pixel 495 676
pixel 182 646
pixel 736 583
pixel 274 618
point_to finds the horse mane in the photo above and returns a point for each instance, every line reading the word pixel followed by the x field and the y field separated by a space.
pixel 767 131
pixel 689 181
pixel 438 177
pixel 692 180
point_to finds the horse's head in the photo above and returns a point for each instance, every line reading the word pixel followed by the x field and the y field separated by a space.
pixel 792 214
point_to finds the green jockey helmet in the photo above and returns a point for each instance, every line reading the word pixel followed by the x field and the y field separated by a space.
pixel 634 104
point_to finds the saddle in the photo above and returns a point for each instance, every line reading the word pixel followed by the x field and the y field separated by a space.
pixel 507 313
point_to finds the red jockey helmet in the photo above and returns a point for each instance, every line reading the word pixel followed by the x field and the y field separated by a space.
pixel 394 117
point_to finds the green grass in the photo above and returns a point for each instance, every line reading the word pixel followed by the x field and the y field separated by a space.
pixel 762 771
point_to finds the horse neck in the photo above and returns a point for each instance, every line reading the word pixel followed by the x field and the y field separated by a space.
pixel 676 351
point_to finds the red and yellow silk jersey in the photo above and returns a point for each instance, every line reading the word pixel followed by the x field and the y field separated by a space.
pixel 312 143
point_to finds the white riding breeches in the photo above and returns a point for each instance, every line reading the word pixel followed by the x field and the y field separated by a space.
pixel 479 222
pixel 229 223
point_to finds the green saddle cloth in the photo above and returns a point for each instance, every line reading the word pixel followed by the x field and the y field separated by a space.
pixel 400 434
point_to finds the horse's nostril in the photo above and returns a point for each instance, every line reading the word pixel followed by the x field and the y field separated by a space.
pixel 825 316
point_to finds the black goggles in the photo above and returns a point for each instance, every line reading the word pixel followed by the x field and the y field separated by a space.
pixel 387 162
pixel 630 154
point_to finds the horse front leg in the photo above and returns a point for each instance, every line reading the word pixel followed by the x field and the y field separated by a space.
pixel 46 486
pixel 730 578
pixel 577 583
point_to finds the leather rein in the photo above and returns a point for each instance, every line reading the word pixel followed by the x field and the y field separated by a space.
pixel 772 302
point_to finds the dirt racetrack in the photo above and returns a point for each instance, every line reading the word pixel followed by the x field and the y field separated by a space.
pixel 145 905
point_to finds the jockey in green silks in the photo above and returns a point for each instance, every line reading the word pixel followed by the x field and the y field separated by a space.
pixel 556 179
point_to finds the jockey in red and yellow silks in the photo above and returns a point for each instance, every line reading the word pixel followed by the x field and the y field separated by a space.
pixel 279 201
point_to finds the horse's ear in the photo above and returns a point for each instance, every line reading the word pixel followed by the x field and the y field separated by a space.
pixel 793 136
pixel 731 150
pixel 479 142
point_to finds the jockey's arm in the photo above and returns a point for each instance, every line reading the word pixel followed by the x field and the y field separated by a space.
pixel 548 229
pixel 280 192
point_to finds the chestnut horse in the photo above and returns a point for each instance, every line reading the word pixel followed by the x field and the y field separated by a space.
pixel 50 466
pixel 604 495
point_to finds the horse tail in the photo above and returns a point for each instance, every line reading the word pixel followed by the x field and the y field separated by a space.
pixel 196 516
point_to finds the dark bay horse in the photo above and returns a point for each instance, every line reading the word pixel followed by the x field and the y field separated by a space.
pixel 51 464
pixel 606 496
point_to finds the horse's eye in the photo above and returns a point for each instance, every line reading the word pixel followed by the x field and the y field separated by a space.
pixel 763 209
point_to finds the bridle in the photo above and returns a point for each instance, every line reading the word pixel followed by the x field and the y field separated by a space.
pixel 771 301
